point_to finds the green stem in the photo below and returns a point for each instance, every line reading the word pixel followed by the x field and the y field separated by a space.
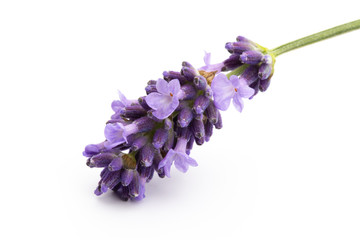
pixel 237 71
pixel 347 27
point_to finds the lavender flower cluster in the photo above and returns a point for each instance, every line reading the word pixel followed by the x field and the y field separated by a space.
pixel 158 130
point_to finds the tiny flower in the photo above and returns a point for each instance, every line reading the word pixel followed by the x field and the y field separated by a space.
pixel 166 99
pixel 211 67
pixel 114 135
pixel 224 90
pixel 179 157
pixel 119 105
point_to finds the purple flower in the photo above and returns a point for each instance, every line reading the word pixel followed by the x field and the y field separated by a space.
pixel 224 90
pixel 211 67
pixel 179 157
pixel 119 105
pixel 114 134
pixel 166 100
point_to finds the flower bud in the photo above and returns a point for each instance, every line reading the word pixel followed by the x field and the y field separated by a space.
pixel 157 159
pixel 200 82
pixel 101 160
pixel 126 177
pixel 250 74
pixel 212 113
pixel 139 143
pixel 185 117
pixel 266 68
pixel 232 62
pixel 198 128
pixel 189 73
pixel 115 164
pixel 200 104
pixel 264 84
pixel 143 103
pixel 112 179
pixel 170 75
pixel 252 57
pixel 132 112
pixel 160 138
pixel 187 92
pixel 238 47
pixel 208 130
pixel 146 155
pixel 219 123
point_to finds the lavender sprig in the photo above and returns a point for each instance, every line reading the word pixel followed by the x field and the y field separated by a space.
pixel 157 131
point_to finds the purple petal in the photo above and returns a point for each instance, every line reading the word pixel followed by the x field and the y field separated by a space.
pixel 223 91
pixel 167 109
pixel 167 168
pixel 117 105
pixel 158 100
pixel 114 134
pixel 174 87
pixel 207 58
pixel 162 86
pixel 167 159
pixel 241 86
pixel 238 102
pixel 123 99
pixel 181 163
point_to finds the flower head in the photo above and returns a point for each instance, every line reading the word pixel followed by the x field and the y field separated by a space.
pixel 166 99
pixel 225 89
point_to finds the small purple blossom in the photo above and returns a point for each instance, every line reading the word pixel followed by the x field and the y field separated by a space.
pixel 225 89
pixel 166 99
pixel 114 134
pixel 118 105
pixel 211 67
pixel 179 157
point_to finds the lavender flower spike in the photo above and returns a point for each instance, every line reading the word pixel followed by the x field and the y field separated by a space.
pixel 179 156
pixel 166 100
pixel 224 90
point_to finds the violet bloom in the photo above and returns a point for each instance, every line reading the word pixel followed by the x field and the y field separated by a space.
pixel 166 99
pixel 225 89
pixel 211 67
pixel 179 157
pixel 119 105
pixel 114 134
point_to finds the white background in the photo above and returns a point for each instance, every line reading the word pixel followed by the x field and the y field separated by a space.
pixel 286 168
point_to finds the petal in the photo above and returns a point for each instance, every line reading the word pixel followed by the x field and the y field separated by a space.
pixel 167 168
pixel 123 99
pixel 191 162
pixel 223 91
pixel 117 105
pixel 238 102
pixel 157 100
pixel 207 58
pixel 244 90
pixel 174 87
pixel 168 158
pixel 114 133
pixel 235 81
pixel 181 163
pixel 166 109
pixel 162 86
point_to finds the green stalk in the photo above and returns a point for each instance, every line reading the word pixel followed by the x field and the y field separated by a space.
pixel 332 32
